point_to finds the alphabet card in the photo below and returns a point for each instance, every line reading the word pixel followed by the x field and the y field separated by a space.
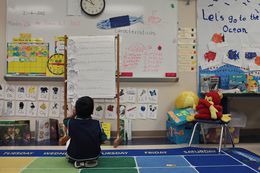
pixel 55 93
pixel 142 95
pixel 31 92
pixel 99 110
pixel 152 95
pixel 20 108
pixel 9 108
pixel 43 109
pixel 20 92
pixel 43 93
pixel 142 110
pixel 31 108
pixel 131 110
pixel 54 109
pixel 152 111
pixel 110 111
pixel 2 91
pixel 10 92
pixel 131 95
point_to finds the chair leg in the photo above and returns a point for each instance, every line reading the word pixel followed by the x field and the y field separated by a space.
pixel 220 139
pixel 225 136
pixel 193 132
pixel 203 133
pixel 230 136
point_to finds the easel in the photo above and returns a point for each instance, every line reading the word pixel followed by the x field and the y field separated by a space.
pixel 118 139
pixel 64 139
pixel 65 76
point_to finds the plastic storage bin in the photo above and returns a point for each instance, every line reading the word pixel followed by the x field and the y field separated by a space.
pixel 238 121
pixel 180 134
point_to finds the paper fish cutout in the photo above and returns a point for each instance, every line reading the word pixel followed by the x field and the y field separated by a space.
pixel 119 21
pixel 233 54
pixel 218 38
pixel 250 55
pixel 210 56
pixel 257 60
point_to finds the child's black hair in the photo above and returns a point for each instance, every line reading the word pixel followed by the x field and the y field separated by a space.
pixel 84 107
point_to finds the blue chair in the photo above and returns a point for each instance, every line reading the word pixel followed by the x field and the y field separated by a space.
pixel 224 129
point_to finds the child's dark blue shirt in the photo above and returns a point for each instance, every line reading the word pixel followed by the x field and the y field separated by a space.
pixel 86 137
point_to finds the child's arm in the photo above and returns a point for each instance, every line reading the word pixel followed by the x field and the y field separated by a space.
pixel 64 139
pixel 72 116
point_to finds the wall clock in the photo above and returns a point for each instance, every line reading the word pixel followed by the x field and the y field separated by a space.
pixel 92 7
pixel 55 64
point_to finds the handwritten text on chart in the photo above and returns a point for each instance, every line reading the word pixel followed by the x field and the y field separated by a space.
pixel 44 23
pixel 151 57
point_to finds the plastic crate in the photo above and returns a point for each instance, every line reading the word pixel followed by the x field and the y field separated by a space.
pixel 182 133
pixel 212 135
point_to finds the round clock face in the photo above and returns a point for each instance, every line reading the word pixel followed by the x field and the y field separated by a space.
pixel 55 64
pixel 92 7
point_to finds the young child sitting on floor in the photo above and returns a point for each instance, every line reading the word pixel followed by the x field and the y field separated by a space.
pixel 86 135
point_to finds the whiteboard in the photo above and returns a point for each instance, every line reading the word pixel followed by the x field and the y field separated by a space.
pixel 148 47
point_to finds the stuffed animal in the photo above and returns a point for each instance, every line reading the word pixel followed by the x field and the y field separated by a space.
pixel 184 107
pixel 210 108
pixel 187 99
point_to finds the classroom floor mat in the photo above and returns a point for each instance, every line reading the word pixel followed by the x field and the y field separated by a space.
pixel 177 160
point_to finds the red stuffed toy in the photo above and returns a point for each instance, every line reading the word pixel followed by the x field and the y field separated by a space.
pixel 210 107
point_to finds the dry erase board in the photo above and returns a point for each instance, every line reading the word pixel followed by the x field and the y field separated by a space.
pixel 147 28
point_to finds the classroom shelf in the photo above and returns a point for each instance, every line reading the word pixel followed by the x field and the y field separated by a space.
pixel 32 78
pixel 241 94
pixel 122 79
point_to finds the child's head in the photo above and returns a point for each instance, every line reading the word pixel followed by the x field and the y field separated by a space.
pixel 84 107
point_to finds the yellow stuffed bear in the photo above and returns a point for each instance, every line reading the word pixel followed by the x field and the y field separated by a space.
pixel 186 99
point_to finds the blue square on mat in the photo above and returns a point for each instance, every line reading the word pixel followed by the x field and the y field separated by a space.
pixel 168 170
pixel 211 160
pixel 162 161
pixel 225 169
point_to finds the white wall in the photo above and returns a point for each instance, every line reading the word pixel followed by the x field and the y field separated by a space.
pixel 167 91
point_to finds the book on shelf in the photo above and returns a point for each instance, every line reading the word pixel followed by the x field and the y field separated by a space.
pixel 15 132
pixel 47 130
pixel 238 81
pixel 214 83
pixel 209 83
